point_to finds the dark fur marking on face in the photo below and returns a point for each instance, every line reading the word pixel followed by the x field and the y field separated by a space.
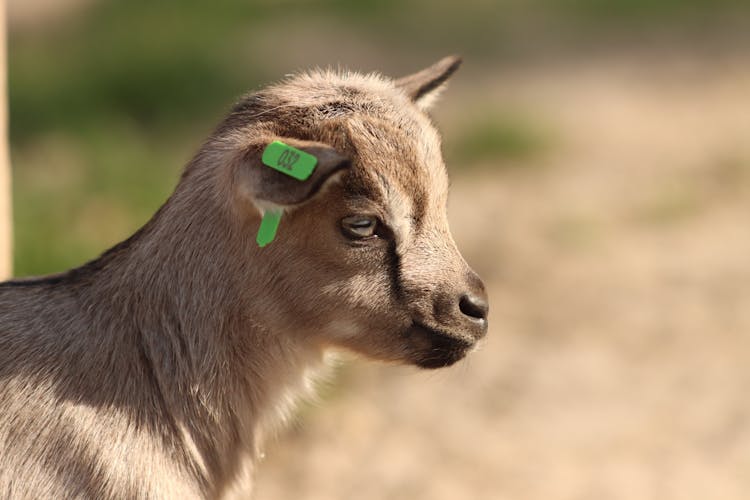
pixel 394 259
pixel 419 209
pixel 394 269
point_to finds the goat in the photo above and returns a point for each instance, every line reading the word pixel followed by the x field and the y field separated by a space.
pixel 157 369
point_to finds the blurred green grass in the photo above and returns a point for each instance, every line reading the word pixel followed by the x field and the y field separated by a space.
pixel 504 139
pixel 107 105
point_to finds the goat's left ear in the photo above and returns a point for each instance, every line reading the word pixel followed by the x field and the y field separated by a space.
pixel 265 185
pixel 425 86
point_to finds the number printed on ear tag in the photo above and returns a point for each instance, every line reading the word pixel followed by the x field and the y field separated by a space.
pixel 289 160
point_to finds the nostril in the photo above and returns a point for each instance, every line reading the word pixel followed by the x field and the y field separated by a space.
pixel 474 307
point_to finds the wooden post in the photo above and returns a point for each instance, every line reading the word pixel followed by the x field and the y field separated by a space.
pixel 6 239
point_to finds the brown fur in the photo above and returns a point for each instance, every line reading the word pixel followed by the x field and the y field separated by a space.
pixel 156 370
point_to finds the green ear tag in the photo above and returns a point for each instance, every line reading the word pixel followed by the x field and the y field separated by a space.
pixel 268 227
pixel 289 160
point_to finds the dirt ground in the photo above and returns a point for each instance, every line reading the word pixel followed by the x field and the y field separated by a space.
pixel 616 366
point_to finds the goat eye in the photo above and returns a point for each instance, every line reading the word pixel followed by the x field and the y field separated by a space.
pixel 359 226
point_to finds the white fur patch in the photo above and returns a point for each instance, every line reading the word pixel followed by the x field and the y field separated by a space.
pixel 344 328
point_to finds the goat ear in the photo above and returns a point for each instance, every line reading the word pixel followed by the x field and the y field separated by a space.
pixel 425 86
pixel 264 185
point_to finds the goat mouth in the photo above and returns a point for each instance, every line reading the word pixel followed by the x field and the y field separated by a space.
pixel 436 348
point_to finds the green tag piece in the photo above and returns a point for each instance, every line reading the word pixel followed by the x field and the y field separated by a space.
pixel 289 160
pixel 268 227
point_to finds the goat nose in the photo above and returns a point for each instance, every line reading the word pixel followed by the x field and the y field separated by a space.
pixel 476 308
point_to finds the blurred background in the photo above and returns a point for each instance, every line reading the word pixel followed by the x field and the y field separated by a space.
pixel 600 158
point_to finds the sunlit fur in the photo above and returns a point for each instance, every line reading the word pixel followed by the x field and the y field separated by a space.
pixel 157 370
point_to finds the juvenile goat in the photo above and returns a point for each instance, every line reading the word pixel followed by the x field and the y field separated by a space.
pixel 155 370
